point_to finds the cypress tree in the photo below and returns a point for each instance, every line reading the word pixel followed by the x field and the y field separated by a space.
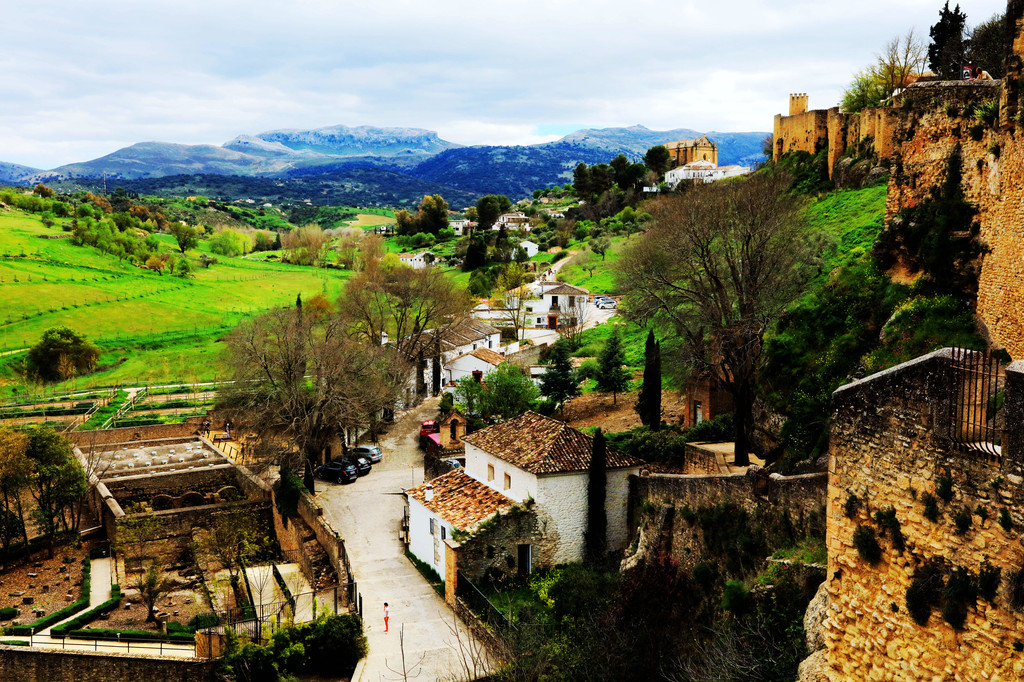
pixel 595 537
pixel 613 377
pixel 560 381
pixel 648 402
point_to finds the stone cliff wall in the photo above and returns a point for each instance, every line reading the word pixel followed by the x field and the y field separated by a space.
pixel 802 497
pixel 891 449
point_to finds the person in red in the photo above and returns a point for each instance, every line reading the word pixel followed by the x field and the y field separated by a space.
pixel 387 612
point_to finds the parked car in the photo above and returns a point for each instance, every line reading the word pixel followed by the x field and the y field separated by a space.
pixel 339 471
pixel 607 304
pixel 370 452
pixel 598 299
pixel 361 464
pixel 452 463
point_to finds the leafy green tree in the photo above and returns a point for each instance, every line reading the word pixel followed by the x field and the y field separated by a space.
pixel 613 377
pixel 469 396
pixel 864 91
pixel 988 44
pixel 657 159
pixel 187 236
pixel 489 207
pixel 946 51
pixel 15 474
pixel 561 381
pixel 58 482
pixel 508 392
pixel 596 535
pixel 59 351
pixel 648 402
pixel 228 242
pixel 600 245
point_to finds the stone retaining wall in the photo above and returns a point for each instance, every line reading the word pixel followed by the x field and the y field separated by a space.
pixel 34 665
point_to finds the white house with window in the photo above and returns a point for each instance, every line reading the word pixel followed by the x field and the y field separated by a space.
pixel 530 248
pixel 559 304
pixel 703 171
pixel 512 221
pixel 530 459
pixel 482 360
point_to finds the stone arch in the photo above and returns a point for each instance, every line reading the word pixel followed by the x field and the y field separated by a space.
pixel 229 493
pixel 193 499
pixel 160 502
pixel 455 429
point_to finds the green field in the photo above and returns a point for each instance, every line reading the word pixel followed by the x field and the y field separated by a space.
pixel 151 327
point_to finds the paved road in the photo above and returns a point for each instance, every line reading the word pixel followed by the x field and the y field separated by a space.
pixel 368 513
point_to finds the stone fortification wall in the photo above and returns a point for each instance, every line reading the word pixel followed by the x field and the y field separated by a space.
pixel 802 497
pixel 699 461
pixel 891 450
pixel 35 665
pixel 804 132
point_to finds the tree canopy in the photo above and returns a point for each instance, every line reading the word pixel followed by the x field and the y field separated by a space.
pixel 561 381
pixel 946 51
pixel 718 268
pixel 61 354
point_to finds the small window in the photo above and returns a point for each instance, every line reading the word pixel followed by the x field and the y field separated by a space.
pixel 490 472
pixel 508 481
pixel 698 412
pixel 444 533
pixel 431 526
pixel 572 301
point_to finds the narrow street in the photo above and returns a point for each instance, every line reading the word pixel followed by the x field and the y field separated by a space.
pixel 368 513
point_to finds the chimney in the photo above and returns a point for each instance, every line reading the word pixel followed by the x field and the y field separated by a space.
pixel 428 494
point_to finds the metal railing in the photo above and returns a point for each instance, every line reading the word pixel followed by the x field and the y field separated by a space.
pixel 155 646
pixel 256 622
pixel 481 605
pixel 975 408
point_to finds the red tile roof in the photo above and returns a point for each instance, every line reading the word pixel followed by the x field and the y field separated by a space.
pixel 461 500
pixel 541 445
pixel 485 354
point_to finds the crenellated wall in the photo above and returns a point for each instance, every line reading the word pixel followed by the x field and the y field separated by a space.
pixel 890 447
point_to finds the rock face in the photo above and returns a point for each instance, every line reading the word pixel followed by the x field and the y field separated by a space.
pixel 813 668
pixel 814 619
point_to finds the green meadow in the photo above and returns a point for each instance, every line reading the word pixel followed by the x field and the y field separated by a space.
pixel 151 327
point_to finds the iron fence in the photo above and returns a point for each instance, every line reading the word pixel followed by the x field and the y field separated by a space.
pixel 258 622
pixel 481 605
pixel 975 407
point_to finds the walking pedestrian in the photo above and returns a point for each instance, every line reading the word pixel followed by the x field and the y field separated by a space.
pixel 387 612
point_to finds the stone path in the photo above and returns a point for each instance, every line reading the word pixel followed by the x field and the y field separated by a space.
pixel 368 513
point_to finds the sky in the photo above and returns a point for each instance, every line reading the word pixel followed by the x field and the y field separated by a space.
pixel 83 79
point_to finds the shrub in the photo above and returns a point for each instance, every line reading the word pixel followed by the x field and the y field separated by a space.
pixel 959 594
pixel 944 488
pixel 850 507
pixel 866 544
pixel 989 578
pixel 8 612
pixel 931 507
pixel 203 621
pixel 736 597
pixel 1004 519
pixel 887 520
pixel 924 593
pixel 962 521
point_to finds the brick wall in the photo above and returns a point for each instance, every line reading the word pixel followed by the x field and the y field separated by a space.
pixel 889 446
pixel 33 665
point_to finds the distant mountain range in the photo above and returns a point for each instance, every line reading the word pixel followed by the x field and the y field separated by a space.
pixel 388 166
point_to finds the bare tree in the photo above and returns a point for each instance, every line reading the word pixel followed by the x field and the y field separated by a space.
pixel 398 306
pixel 306 245
pixel 512 303
pixel 719 267
pixel 304 379
pixel 572 320
pixel 899 59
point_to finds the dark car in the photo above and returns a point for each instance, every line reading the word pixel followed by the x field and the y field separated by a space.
pixel 340 471
pixel 370 452
pixel 361 464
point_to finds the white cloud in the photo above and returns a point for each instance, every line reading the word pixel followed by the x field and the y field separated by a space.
pixel 83 79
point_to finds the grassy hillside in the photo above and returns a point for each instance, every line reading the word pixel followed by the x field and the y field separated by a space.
pixel 151 327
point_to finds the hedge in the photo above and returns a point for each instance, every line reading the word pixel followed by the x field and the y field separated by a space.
pixel 83 619
pixel 8 612
pixel 57 616
pixel 103 633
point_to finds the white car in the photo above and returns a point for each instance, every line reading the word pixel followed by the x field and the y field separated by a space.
pixel 607 303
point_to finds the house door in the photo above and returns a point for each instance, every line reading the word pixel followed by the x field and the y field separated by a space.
pixel 552 322
pixel 525 557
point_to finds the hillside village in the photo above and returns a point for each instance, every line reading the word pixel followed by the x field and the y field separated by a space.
pixel 668 420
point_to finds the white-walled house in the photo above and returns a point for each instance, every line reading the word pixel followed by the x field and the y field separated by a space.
pixel 452 501
pixel 512 221
pixel 529 462
pixel 464 336
pixel 417 260
pixel 481 360
pixel 558 305
pixel 530 248
pixel 705 171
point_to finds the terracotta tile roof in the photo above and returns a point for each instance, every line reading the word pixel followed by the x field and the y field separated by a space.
pixel 485 354
pixel 461 500
pixel 542 445
pixel 568 290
